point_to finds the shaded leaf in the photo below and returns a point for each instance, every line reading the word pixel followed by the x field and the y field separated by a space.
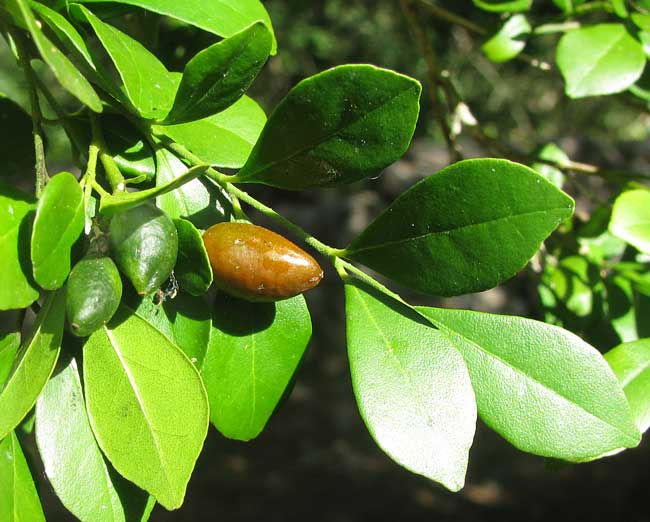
pixel 16 140
pixel 198 201
pixel 338 126
pixel 542 388
pixel 253 353
pixel 465 229
pixel 9 345
pixel 411 386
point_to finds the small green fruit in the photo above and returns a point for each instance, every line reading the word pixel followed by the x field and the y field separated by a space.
pixel 94 290
pixel 144 244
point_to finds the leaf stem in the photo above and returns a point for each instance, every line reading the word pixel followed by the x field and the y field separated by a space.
pixel 112 172
pixel 225 182
pixel 343 267
pixel 42 176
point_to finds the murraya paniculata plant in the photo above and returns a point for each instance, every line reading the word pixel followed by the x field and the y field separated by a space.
pixel 146 305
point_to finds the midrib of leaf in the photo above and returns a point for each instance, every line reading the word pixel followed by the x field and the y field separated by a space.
pixel 143 409
pixel 444 328
pixel 14 496
pixel 413 391
pixel 600 56
pixel 452 230
pixel 327 136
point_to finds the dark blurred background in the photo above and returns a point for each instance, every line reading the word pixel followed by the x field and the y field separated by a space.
pixel 316 461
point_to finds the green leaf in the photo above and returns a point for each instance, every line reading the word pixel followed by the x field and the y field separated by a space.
pixel 198 201
pixel 16 141
pixel 220 75
pixel 542 388
pixel 192 269
pixel 568 6
pixel 619 8
pixel 58 224
pixel 146 404
pixel 555 154
pixel 411 386
pixel 225 139
pixel 16 287
pixel 72 459
pixel 9 345
pixel 34 364
pixel 221 17
pixel 499 6
pixel 253 353
pixel 184 320
pixel 508 42
pixel 631 219
pixel 600 59
pixel 465 229
pixel 146 83
pixel 631 364
pixel 64 70
pixel 19 501
pixel 128 147
pixel 339 126
pixel 64 31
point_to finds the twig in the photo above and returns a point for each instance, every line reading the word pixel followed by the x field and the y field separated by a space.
pixel 434 83
pixel 42 176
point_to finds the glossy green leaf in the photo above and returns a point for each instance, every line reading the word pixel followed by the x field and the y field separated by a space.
pixel 16 140
pixel 501 6
pixel 146 83
pixel 465 229
pixel 147 405
pixel 192 270
pixel 9 345
pixel 253 353
pixel 73 462
pixel 542 388
pixel 642 21
pixel 34 364
pixel 221 17
pixel 509 41
pixel 554 154
pixel 631 364
pixel 64 70
pixel 184 320
pixel 600 59
pixel 220 75
pixel 225 139
pixel 411 386
pixel 631 219
pixel 16 287
pixel 619 8
pixel 19 501
pixel 65 32
pixel 198 201
pixel 339 126
pixel 58 224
